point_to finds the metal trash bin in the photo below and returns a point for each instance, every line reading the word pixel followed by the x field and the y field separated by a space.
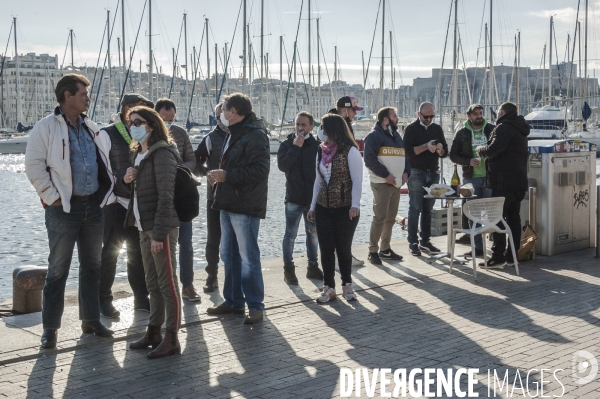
pixel 565 177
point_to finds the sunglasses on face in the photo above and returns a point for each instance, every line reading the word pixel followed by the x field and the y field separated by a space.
pixel 137 123
pixel 427 116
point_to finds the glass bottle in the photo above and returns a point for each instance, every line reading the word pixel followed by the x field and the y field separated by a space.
pixel 455 182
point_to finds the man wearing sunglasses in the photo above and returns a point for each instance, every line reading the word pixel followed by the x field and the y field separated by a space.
pixel 114 216
pixel 425 144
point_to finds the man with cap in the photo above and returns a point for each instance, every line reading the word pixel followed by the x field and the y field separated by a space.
pixel 347 107
pixel 114 216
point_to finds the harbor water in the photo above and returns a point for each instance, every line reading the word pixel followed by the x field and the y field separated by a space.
pixel 23 238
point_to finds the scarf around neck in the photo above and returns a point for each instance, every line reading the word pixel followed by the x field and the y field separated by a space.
pixel 329 151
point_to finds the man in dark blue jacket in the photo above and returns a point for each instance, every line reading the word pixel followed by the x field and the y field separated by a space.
pixel 296 157
pixel 388 170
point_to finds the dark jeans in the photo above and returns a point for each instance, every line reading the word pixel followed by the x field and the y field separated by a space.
pixel 511 213
pixel 335 231
pixel 114 237
pixel 419 205
pixel 186 255
pixel 213 237
pixel 83 225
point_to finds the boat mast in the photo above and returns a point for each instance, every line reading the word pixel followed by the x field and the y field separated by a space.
pixel 208 71
pixel 19 108
pixel 280 71
pixel 454 86
pixel 309 63
pixel 518 57
pixel 318 70
pixel 151 71
pixel 543 78
pixel 335 71
pixel 123 34
pixel 262 55
pixel 295 80
pixel 391 71
pixel 585 43
pixel 244 53
pixel 216 72
pixel 72 59
pixel 108 91
pixel 187 66
pixel 550 63
pixel 382 55
pixel 486 81
pixel 493 74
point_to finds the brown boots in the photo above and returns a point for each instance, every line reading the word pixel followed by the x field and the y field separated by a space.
pixel 168 346
pixel 151 339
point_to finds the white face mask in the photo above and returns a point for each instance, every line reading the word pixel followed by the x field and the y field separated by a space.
pixel 321 135
pixel 168 124
pixel 224 120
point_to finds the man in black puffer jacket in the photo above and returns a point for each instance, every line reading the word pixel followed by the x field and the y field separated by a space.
pixel 296 157
pixel 241 196
pixel 115 234
pixel 506 160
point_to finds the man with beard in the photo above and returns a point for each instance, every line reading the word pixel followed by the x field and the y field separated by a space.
pixel 388 170
pixel 506 158
pixel 475 133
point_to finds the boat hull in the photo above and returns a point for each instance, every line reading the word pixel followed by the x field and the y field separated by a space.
pixel 13 146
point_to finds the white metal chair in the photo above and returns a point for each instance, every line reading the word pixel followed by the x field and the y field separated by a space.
pixel 487 212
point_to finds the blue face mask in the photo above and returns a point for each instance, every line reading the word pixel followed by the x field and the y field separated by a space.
pixel 138 133
pixel 321 135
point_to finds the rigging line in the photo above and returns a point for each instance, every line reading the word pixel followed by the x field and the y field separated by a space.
pixel 439 88
pixel 131 56
pixel 98 61
pixel 196 67
pixel 104 65
pixel 62 64
pixel 465 68
pixel 287 93
pixel 6 51
pixel 78 49
pixel 176 59
pixel 227 61
pixel 572 55
pixel 326 69
pixel 478 49
pixel 556 52
pixel 372 44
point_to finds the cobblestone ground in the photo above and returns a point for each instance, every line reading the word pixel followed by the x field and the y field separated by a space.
pixel 408 315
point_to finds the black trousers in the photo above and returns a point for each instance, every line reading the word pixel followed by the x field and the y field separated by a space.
pixel 213 238
pixel 511 213
pixel 114 237
pixel 335 232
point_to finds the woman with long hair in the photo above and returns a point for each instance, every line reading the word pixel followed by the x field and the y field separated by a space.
pixel 154 160
pixel 336 202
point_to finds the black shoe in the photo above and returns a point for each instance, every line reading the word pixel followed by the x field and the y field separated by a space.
pixel 289 275
pixel 414 249
pixel 142 304
pixel 374 258
pixel 253 317
pixel 390 255
pixel 108 310
pixel 428 247
pixel 224 309
pixel 494 263
pixel 469 254
pixel 313 271
pixel 49 338
pixel 96 328
pixel 212 283
pixel 464 239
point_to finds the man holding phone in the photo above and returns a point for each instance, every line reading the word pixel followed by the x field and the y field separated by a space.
pixel 475 132
pixel 424 143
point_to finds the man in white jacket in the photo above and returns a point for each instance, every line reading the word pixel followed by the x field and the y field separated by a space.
pixel 66 161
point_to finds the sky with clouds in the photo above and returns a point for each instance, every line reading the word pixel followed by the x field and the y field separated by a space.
pixel 418 31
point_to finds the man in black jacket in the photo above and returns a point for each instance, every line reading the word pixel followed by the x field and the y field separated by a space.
pixel 114 216
pixel 241 196
pixel 506 159
pixel 475 133
pixel 209 152
pixel 425 144
pixel 388 170
pixel 296 157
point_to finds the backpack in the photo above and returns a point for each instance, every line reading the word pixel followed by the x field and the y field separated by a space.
pixel 186 198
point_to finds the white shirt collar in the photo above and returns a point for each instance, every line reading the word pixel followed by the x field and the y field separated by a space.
pixel 424 125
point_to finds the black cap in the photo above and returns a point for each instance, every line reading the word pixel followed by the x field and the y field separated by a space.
pixel 348 102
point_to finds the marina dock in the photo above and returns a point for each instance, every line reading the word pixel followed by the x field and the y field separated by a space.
pixel 408 315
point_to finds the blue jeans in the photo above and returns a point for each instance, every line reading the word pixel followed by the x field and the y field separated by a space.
pixel 241 257
pixel 419 205
pixel 481 191
pixel 293 214
pixel 84 225
pixel 186 255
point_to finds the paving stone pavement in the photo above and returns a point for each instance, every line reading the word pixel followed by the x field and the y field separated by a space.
pixel 408 315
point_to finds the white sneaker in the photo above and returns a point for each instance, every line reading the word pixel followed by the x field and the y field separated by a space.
pixel 357 262
pixel 348 292
pixel 327 294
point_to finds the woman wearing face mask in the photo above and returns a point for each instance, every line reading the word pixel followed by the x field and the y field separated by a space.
pixel 154 158
pixel 336 202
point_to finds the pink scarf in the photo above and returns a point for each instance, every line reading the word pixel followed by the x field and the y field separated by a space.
pixel 329 151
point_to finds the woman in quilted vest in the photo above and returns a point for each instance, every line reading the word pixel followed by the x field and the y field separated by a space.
pixel 154 159
pixel 336 202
